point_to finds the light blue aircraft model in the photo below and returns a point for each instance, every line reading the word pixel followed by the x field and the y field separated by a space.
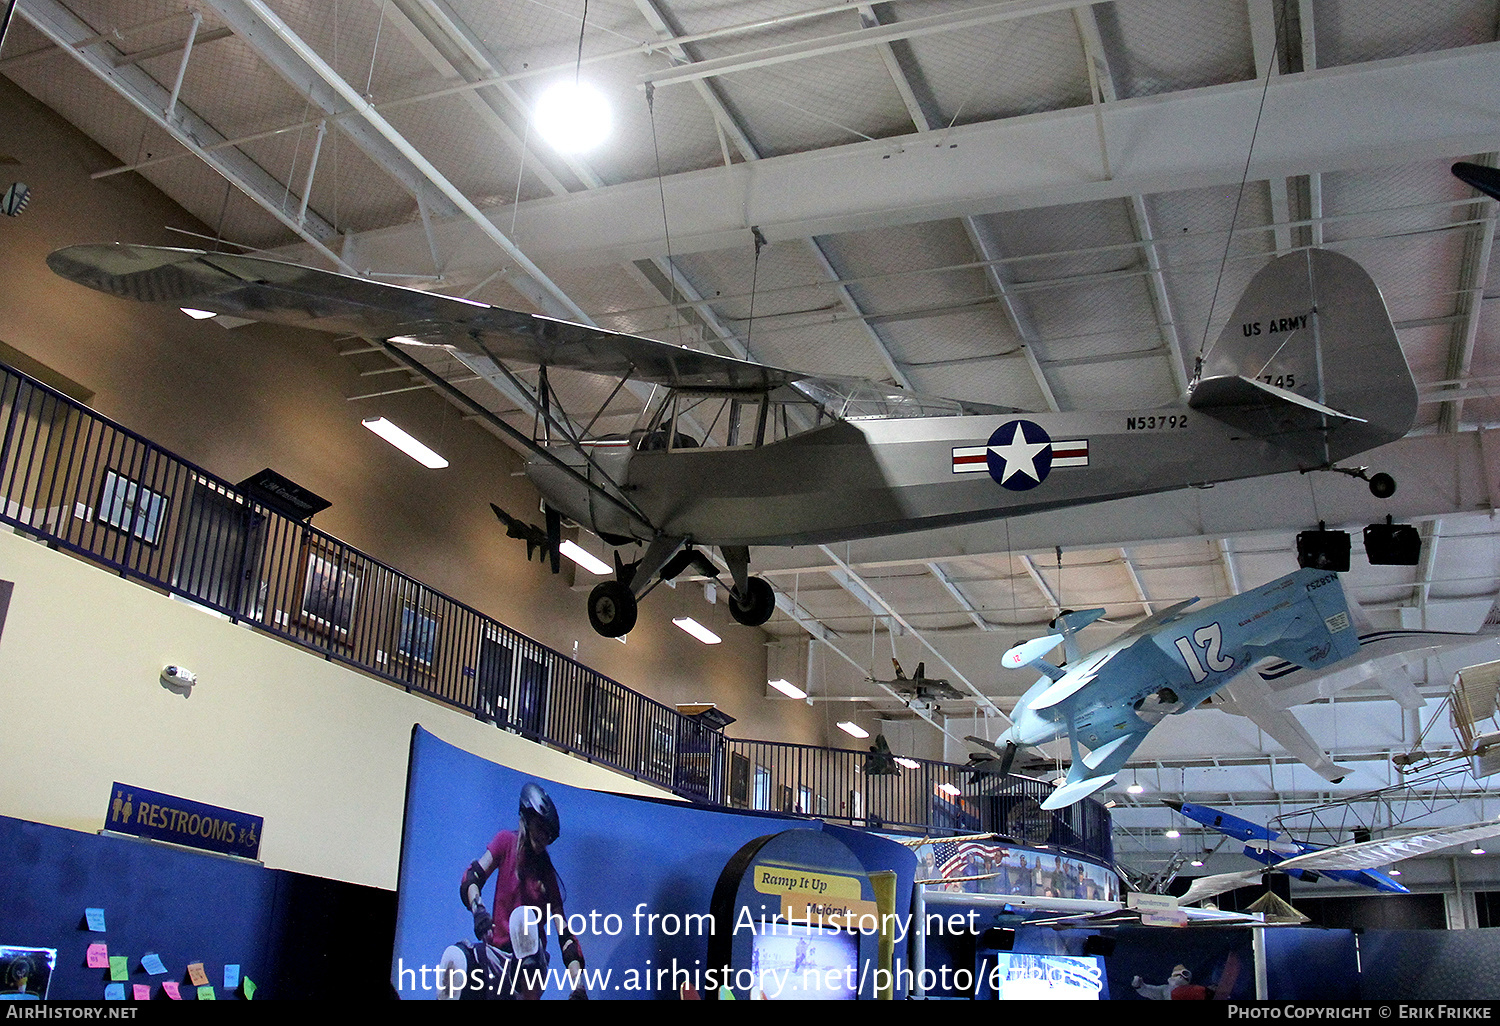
pixel 1108 700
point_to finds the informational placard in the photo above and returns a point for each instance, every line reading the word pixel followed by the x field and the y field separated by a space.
pixel 165 817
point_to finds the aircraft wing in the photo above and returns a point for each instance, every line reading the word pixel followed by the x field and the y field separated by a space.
pixel 259 289
pixel 1205 887
pixel 1248 696
pixel 938 689
pixel 1369 854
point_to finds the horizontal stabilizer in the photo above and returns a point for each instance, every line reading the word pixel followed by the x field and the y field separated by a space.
pixel 1240 391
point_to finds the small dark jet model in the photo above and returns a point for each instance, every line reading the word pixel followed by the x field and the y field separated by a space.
pixel 1354 863
pixel 920 687
pixel 538 539
pixel 1109 699
pixel 881 762
pixel 1306 373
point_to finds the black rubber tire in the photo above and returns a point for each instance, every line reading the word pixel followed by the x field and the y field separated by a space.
pixel 1382 486
pixel 757 605
pixel 612 609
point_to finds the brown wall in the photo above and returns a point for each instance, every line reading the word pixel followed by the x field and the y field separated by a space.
pixel 234 401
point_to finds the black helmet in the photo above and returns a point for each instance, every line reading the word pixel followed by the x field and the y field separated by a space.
pixel 541 812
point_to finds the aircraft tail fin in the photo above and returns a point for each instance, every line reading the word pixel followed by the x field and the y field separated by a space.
pixel 1309 362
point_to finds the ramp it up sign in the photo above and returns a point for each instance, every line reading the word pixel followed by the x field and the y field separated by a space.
pixel 163 817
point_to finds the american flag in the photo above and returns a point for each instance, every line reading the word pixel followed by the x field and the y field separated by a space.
pixel 951 858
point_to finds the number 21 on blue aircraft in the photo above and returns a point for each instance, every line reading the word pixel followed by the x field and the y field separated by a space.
pixel 1211 640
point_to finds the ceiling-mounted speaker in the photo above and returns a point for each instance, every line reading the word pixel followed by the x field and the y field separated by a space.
pixel 1323 550
pixel 1390 544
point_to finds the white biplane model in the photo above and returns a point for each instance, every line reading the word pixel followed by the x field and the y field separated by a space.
pixel 1306 373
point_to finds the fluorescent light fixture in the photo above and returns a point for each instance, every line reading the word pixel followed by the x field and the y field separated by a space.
pixel 405 442
pixel 586 559
pixel 573 117
pixel 697 630
pixel 787 688
pixel 903 761
pixel 197 315
pixel 853 729
pixel 949 789
pixel 1134 789
pixel 1174 833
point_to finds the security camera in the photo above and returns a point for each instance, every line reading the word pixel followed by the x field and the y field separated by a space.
pixel 179 675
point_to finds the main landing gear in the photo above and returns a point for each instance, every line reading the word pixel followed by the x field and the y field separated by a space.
pixel 614 605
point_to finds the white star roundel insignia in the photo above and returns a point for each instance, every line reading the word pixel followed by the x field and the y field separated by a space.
pixel 1019 455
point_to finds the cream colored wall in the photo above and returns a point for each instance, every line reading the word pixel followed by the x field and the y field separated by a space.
pixel 318 750
pixel 236 401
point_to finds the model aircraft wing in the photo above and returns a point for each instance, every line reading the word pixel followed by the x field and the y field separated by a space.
pixel 1247 696
pixel 259 289
pixel 1205 887
pixel 1369 854
pixel 1094 770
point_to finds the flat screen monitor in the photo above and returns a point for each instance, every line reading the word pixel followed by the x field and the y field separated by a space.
pixel 1015 976
pixel 807 963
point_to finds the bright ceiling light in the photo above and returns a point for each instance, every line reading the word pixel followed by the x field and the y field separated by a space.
pixel 197 315
pixel 1134 789
pixel 949 789
pixel 697 630
pixel 1476 851
pixel 573 117
pixel 586 559
pixel 1196 862
pixel 405 442
pixel 853 729
pixel 906 763
pixel 1394 872
pixel 787 688
pixel 1174 833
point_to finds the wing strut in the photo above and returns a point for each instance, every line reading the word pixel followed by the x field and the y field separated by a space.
pixel 624 505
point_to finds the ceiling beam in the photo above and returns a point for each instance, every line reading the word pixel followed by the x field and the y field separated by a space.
pixel 190 130
pixel 1422 107
pixel 278 45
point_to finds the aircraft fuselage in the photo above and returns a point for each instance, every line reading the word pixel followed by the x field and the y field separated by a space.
pixel 854 479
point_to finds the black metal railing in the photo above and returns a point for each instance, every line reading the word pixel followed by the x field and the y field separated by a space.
pixel 84 484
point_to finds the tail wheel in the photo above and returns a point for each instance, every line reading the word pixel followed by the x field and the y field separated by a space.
pixel 612 609
pixel 757 605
